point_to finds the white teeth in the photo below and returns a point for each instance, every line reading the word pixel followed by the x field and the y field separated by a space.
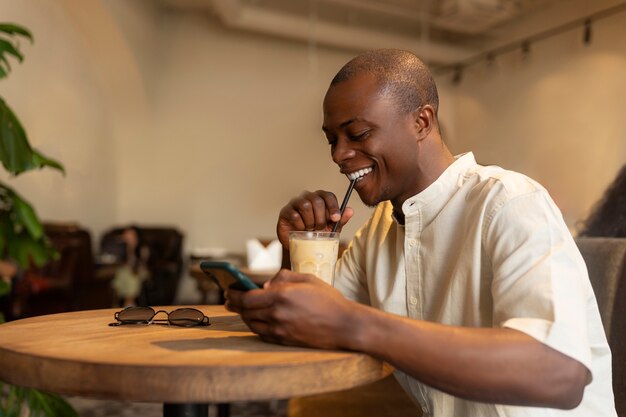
pixel 359 174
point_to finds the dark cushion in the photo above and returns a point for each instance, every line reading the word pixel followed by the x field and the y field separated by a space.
pixel 606 263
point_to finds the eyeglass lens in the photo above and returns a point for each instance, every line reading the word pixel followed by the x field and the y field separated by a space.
pixel 186 317
pixel 135 314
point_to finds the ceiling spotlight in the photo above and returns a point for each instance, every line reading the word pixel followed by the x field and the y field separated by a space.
pixel 587 32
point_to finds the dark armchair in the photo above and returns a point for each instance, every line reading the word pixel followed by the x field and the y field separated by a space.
pixel 165 261
pixel 606 262
pixel 65 284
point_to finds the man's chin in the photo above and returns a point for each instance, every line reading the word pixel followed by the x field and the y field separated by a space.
pixel 370 201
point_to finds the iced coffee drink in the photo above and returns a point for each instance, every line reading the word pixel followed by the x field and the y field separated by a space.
pixel 314 253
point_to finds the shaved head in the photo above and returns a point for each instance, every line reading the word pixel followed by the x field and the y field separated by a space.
pixel 400 75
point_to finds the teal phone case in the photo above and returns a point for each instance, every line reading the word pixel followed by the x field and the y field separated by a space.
pixel 241 281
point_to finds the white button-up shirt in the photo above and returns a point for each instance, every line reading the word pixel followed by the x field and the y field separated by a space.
pixel 483 247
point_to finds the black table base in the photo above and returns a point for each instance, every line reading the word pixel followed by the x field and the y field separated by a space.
pixel 194 410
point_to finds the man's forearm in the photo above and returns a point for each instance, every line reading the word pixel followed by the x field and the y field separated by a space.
pixel 488 365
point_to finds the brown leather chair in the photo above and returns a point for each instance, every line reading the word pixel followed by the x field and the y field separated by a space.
pixel 165 261
pixel 606 263
pixel 64 284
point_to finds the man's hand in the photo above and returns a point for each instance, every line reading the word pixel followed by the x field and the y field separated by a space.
pixel 296 309
pixel 317 210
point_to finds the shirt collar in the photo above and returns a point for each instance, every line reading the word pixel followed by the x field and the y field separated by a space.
pixel 444 185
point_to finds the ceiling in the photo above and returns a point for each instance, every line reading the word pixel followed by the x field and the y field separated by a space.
pixel 443 31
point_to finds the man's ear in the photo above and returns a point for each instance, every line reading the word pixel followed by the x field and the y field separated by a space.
pixel 424 120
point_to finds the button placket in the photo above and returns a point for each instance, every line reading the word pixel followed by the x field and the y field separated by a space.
pixel 411 251
pixel 413 229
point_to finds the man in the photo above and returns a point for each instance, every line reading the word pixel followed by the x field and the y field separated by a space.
pixel 465 278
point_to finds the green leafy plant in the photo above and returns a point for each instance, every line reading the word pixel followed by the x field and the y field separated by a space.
pixel 39 403
pixel 21 233
pixel 22 237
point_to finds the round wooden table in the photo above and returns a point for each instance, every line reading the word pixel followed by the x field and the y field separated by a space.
pixel 78 353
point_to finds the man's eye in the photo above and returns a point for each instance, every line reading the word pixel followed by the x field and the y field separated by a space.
pixel 360 135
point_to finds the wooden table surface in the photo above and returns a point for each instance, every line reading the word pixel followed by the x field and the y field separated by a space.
pixel 79 354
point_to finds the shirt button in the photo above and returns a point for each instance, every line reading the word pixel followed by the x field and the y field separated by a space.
pixel 412 242
pixel 413 300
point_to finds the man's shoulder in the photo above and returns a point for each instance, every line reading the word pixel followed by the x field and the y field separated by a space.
pixel 496 182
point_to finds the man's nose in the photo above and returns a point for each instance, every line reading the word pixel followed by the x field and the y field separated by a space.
pixel 342 151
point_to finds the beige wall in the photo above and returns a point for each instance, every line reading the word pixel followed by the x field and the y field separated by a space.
pixel 59 100
pixel 557 116
pixel 234 132
pixel 171 119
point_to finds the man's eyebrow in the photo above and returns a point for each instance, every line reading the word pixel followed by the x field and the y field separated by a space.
pixel 344 124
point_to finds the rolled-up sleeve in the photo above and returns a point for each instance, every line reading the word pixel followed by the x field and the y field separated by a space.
pixel 540 284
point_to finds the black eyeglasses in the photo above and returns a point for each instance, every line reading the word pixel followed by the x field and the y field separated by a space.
pixel 185 317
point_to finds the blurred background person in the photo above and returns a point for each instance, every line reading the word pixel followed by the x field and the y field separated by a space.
pixel 608 217
pixel 130 276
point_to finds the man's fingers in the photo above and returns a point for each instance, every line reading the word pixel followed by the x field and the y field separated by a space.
pixel 332 206
pixel 347 215
pixel 262 315
pixel 290 218
pixel 311 210
pixel 253 299
pixel 285 276
pixel 232 307
pixel 320 212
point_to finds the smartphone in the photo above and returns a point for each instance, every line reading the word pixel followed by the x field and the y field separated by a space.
pixel 233 278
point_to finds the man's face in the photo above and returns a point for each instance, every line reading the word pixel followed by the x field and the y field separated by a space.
pixel 372 140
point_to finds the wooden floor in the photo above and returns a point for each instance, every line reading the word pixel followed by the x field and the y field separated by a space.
pixel 380 399
pixel 101 408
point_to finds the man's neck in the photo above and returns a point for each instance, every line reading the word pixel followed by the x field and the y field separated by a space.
pixel 433 163
pixel 399 215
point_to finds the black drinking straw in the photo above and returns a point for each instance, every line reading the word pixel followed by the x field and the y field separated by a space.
pixel 344 203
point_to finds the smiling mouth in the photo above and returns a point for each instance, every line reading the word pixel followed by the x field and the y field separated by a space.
pixel 358 175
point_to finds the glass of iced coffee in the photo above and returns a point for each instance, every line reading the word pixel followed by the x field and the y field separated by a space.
pixel 314 253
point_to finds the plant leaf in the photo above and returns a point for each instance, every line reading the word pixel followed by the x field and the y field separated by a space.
pixel 15 29
pixel 5 287
pixel 9 48
pixel 41 161
pixel 5 67
pixel 9 45
pixel 3 229
pixel 58 407
pixel 16 153
pixel 24 249
pixel 50 405
pixel 20 226
pixel 26 215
